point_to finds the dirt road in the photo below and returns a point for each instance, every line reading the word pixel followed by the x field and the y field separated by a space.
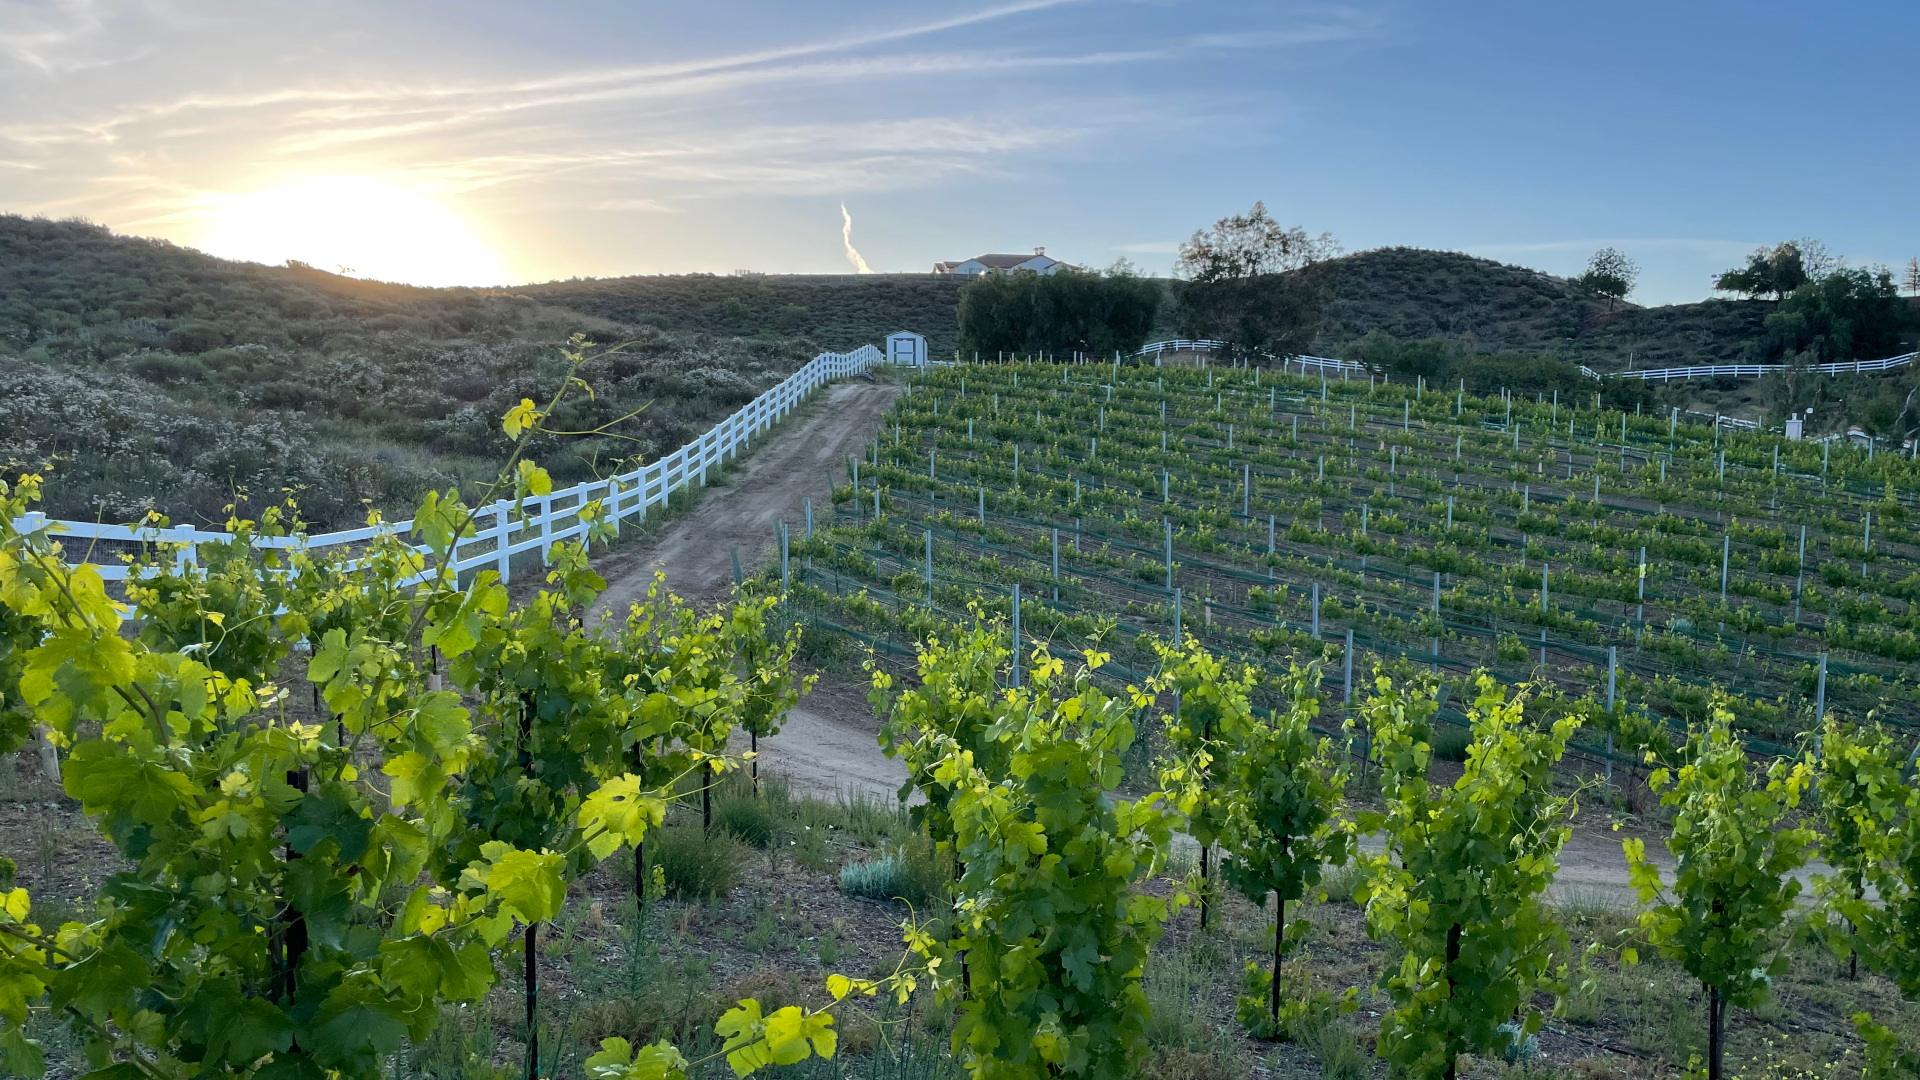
pixel 796 463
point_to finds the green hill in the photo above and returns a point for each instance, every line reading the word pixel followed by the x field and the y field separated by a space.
pixel 1413 293
pixel 156 377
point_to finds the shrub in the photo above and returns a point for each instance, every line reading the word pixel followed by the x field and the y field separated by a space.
pixel 909 872
pixel 697 866
pixel 877 879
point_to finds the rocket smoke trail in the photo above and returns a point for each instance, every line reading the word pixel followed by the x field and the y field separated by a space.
pixel 846 237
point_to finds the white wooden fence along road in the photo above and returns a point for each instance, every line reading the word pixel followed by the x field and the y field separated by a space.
pixel 546 520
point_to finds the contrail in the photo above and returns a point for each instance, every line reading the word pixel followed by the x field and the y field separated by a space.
pixel 846 237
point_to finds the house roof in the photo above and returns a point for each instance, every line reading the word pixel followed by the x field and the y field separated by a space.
pixel 1005 262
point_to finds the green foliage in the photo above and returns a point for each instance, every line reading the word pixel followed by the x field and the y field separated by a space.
pixel 1281 783
pixel 1779 271
pixel 1886 1059
pixel 1061 313
pixel 1872 818
pixel 1733 864
pixel 1848 314
pixel 1862 800
pixel 258 920
pixel 1611 274
pixel 1048 917
pixel 1458 884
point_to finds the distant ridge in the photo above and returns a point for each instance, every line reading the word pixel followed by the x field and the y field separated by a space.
pixel 1417 293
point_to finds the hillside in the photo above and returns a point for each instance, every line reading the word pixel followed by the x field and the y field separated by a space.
pixel 1414 293
pixel 840 311
pixel 156 377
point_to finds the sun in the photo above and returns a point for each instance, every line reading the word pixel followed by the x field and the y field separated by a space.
pixel 356 226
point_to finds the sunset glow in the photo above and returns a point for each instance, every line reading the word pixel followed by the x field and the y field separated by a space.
pixel 355 226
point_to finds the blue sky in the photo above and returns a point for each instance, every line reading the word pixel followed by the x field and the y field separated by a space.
pixel 638 137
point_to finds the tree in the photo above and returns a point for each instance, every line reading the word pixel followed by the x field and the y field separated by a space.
pixel 1285 781
pixel 1733 867
pixel 1912 281
pixel 1851 313
pixel 1611 274
pixel 1255 284
pixel 1778 271
pixel 1066 312
pixel 1458 883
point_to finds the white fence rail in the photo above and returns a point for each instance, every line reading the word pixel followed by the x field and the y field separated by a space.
pixel 546 520
pixel 1754 371
pixel 1710 371
pixel 1155 348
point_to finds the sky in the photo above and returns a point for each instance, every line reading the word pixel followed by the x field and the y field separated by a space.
pixel 496 143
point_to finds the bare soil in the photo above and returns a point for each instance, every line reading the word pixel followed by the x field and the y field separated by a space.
pixel 799 462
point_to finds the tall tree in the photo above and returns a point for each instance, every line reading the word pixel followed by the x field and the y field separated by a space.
pixel 1912 282
pixel 1611 274
pixel 1255 284
pixel 1776 271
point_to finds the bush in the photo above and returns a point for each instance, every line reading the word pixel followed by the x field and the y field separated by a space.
pixel 697 866
pixel 909 872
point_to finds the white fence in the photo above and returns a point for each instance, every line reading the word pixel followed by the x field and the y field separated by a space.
pixel 1711 371
pixel 546 520
pixel 1754 371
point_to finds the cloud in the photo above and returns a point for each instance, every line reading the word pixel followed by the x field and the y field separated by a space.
pixel 230 98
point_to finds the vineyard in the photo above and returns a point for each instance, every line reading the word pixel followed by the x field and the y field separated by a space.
pixel 1246 720
pixel 1640 561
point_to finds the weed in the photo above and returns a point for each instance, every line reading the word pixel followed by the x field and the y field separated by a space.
pixel 1179 1063
pixel 1340 883
pixel 462 1046
pixel 1338 1050
pixel 874 822
pixel 697 865
pixel 1179 986
pixel 746 817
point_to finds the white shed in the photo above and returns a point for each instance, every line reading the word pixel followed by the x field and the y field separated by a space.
pixel 907 348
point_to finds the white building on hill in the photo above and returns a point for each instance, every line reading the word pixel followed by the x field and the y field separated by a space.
pixel 1038 262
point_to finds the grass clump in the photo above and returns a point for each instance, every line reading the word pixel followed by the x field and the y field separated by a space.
pixel 746 817
pixel 697 865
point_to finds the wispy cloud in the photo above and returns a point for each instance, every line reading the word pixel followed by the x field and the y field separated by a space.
pixel 974 93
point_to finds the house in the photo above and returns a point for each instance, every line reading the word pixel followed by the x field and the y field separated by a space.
pixel 1038 262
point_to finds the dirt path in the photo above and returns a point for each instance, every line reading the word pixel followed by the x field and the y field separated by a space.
pixel 798 462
